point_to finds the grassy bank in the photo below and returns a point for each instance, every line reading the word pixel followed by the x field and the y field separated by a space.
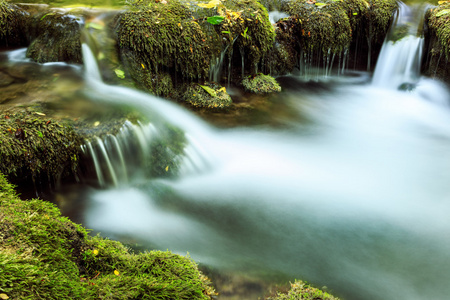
pixel 46 256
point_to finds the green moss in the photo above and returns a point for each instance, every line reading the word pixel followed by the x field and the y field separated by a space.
pixel 45 256
pixel 321 28
pixel 58 39
pixel 164 37
pixel 32 144
pixel 261 84
pixel 247 22
pixel 438 20
pixel 302 291
pixel 209 95
pixel 13 25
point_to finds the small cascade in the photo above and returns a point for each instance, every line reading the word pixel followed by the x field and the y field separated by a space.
pixel 401 55
pixel 315 65
pixel 116 157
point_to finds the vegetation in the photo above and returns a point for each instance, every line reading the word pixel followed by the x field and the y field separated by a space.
pixel 439 22
pixel 44 255
pixel 12 25
pixel 437 41
pixel 32 143
pixel 58 38
pixel 303 291
pixel 209 95
pixel 261 84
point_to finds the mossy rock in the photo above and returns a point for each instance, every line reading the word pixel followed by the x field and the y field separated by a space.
pixel 33 144
pixel 437 41
pixel 261 84
pixel 247 23
pixel 46 256
pixel 321 28
pixel 164 37
pixel 14 24
pixel 438 21
pixel 209 95
pixel 57 39
pixel 303 291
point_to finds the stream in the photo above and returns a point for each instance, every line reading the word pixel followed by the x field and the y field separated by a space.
pixel 350 190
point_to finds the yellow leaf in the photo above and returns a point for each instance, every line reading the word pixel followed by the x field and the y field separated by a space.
pixel 4 296
pixel 39 113
pixel 167 168
pixel 210 4
pixel 116 272
pixel 95 251
pixel 143 67
pixel 96 124
pixel 223 89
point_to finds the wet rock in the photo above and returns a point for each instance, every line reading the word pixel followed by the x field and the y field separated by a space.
pixel 5 79
pixel 14 23
pixel 437 43
pixel 58 38
pixel 208 95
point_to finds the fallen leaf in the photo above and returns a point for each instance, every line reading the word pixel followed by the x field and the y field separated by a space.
pixel 4 296
pixel 116 273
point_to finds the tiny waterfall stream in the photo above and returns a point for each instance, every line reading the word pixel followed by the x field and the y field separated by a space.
pixel 356 199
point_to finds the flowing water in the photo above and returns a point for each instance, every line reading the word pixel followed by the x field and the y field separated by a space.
pixel 351 191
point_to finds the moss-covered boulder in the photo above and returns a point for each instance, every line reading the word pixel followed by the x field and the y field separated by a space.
pixel 33 144
pixel 303 291
pixel 46 256
pixel 208 95
pixel 247 29
pixel 437 38
pixel 57 38
pixel 13 25
pixel 317 31
pixel 261 84
pixel 157 37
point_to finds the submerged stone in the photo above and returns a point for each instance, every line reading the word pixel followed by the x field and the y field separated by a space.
pixel 261 84
pixel 209 96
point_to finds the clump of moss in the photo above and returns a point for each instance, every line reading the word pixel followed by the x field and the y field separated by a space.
pixel 302 291
pixel 261 84
pixel 13 22
pixel 438 20
pixel 321 28
pixel 208 95
pixel 246 23
pixel 162 36
pixel 44 255
pixel 58 38
pixel 34 144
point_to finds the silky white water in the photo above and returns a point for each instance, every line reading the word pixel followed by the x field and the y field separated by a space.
pixel 351 192
pixel 357 198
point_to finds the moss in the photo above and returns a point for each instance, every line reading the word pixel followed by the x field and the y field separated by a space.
pixel 46 256
pixel 13 23
pixel 303 291
pixel 438 20
pixel 58 38
pixel 247 23
pixel 261 84
pixel 209 95
pixel 321 28
pixel 33 144
pixel 163 36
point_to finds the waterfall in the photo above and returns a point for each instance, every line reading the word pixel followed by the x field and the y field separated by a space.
pixel 351 191
pixel 401 55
